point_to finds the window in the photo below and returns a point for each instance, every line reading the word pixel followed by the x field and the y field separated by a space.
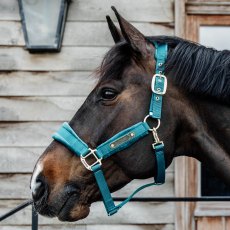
pixel 219 38
pixel 215 36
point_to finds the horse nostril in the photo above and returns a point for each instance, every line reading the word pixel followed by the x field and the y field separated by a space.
pixel 38 190
pixel 72 190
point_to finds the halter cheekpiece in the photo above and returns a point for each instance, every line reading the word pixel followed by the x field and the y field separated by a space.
pixel 122 140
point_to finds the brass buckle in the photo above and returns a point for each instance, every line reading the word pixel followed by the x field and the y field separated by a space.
pixel 158 90
pixel 93 153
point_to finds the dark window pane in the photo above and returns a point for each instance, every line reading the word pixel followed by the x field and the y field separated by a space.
pixel 211 185
pixel 218 37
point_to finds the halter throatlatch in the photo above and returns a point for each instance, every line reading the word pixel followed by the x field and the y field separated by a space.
pixel 123 139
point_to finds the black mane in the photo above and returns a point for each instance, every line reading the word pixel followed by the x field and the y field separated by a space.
pixel 194 67
pixel 197 68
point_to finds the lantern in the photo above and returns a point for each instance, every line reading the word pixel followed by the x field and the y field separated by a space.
pixel 43 23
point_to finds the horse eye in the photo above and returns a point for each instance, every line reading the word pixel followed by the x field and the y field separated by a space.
pixel 108 94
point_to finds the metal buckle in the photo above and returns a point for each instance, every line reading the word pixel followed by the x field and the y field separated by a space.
pixel 154 144
pixel 158 90
pixel 156 138
pixel 84 162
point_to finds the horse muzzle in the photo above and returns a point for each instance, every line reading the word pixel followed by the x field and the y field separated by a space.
pixel 64 204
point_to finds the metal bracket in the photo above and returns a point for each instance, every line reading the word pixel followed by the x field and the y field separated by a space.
pixel 156 138
pixel 84 162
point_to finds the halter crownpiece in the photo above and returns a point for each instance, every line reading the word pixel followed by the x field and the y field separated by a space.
pixel 122 140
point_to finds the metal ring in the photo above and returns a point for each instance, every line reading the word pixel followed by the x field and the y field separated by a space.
pixel 158 123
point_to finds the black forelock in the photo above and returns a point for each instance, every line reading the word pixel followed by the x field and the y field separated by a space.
pixel 116 60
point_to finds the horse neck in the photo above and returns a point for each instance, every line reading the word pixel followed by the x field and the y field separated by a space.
pixel 204 133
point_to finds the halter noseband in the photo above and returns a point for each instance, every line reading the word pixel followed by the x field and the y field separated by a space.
pixel 122 140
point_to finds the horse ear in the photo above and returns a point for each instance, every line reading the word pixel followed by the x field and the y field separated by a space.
pixel 116 33
pixel 133 36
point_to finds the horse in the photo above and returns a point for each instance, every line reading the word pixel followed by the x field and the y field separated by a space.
pixel 195 120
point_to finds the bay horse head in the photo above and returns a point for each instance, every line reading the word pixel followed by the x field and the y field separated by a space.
pixel 62 186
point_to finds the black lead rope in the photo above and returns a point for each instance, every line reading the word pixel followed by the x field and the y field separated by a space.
pixel 18 208
pixel 177 199
pixel 144 199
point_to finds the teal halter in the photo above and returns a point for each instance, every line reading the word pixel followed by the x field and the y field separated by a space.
pixel 124 139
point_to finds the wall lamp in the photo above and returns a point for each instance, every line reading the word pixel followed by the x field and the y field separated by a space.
pixel 43 23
